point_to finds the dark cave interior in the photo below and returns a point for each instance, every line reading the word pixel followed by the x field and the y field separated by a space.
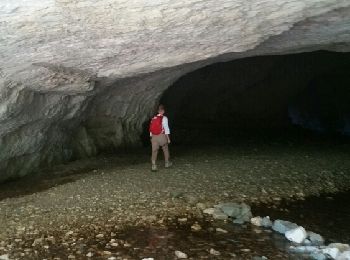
pixel 296 94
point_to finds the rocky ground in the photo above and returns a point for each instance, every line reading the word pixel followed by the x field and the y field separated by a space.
pixel 113 206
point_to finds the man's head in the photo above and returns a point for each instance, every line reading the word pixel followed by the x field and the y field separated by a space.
pixel 161 109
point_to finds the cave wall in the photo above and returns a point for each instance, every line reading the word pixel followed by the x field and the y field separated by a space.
pixel 79 77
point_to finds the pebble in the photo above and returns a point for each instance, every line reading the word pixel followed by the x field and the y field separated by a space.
pixel 196 227
pixel 209 211
pixel 89 254
pixel 37 241
pixel 69 233
pixel 221 230
pixel 200 206
pixel 182 219
pixel 259 258
pixel 212 251
pixel 99 236
pixel 181 255
pixel 256 221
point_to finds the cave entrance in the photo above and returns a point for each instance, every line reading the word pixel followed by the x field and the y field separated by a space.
pixel 297 95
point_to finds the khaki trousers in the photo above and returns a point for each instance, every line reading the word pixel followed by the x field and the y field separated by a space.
pixel 159 141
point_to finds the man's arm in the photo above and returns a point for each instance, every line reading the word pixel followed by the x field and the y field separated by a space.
pixel 165 125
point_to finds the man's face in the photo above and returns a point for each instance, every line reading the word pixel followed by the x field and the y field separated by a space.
pixel 161 111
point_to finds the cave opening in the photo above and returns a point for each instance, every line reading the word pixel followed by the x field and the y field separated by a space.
pixel 279 97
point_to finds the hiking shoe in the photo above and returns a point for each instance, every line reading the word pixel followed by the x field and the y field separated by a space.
pixel 154 168
pixel 168 164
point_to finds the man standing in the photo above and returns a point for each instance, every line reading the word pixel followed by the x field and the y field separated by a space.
pixel 159 133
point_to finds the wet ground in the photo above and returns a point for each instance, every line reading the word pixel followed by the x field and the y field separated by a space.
pixel 114 206
pixel 327 214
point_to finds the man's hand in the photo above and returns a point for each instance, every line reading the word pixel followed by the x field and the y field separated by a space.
pixel 168 139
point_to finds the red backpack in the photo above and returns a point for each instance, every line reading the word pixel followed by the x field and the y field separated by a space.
pixel 156 127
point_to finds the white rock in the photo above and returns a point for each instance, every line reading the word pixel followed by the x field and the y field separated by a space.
pixel 181 255
pixel 209 211
pixel 266 222
pixel 256 221
pixel 318 256
pixel 221 230
pixel 282 226
pixel 304 249
pixel 342 247
pixel 315 238
pixel 261 222
pixel 149 258
pixel 89 254
pixel 4 257
pixel 331 251
pixel 296 235
pixel 344 256
pixel 307 242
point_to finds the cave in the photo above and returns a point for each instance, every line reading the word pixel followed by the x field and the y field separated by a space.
pixel 278 97
pixel 257 97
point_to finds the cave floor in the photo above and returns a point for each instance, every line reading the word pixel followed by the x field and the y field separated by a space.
pixel 81 206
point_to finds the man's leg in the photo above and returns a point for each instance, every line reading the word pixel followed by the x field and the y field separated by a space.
pixel 166 153
pixel 155 148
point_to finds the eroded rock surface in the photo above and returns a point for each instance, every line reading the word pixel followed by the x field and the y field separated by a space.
pixel 79 77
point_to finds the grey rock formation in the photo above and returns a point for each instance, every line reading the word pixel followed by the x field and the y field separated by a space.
pixel 316 239
pixel 282 226
pixel 79 77
pixel 239 212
